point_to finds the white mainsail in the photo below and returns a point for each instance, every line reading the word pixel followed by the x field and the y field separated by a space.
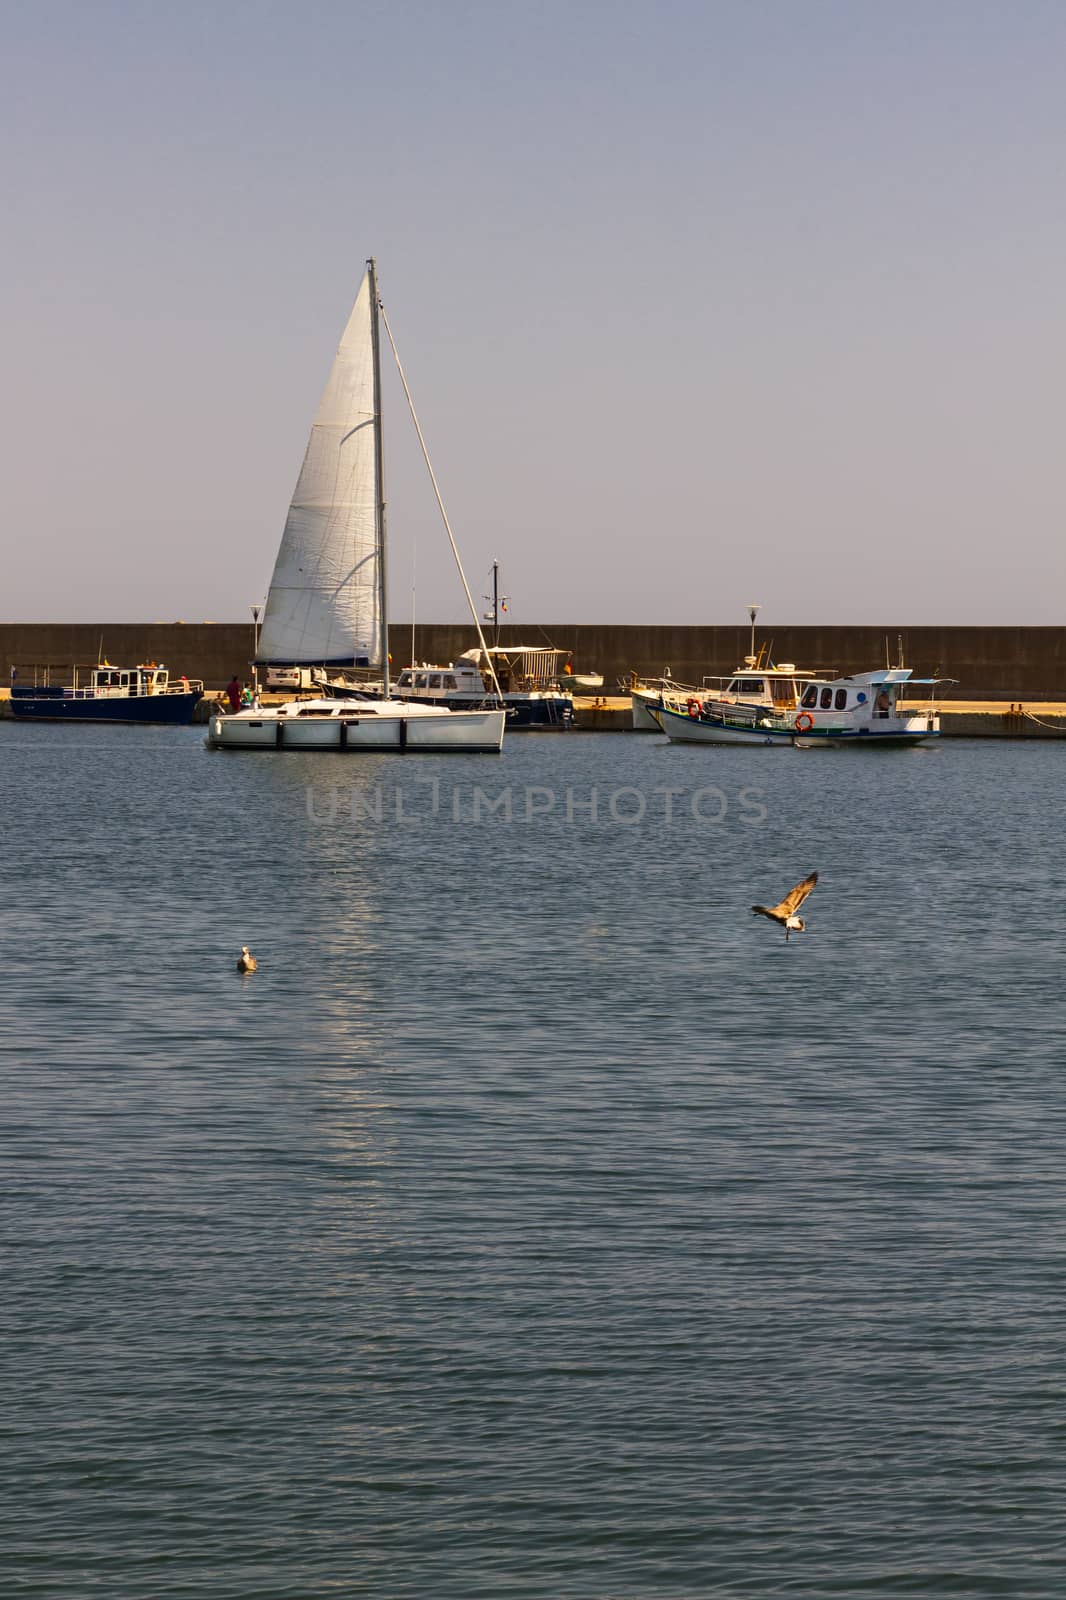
pixel 325 601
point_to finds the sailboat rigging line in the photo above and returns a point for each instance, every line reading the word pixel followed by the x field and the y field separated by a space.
pixel 440 506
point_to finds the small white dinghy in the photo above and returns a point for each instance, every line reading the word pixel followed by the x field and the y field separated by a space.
pixel 326 608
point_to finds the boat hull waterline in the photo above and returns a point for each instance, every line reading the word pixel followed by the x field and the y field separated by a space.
pixel 684 729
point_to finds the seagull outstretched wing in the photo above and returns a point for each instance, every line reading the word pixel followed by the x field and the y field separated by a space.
pixel 794 898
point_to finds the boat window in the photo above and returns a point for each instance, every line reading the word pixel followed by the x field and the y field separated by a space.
pixel 810 697
pixel 420 680
pixel 450 681
pixel 842 699
pixel 405 680
pixel 826 699
pixel 749 686
pixel 434 680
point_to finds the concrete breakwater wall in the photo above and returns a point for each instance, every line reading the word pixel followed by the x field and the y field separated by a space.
pixel 991 663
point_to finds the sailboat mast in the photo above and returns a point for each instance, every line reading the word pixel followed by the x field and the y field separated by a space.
pixel 495 603
pixel 379 471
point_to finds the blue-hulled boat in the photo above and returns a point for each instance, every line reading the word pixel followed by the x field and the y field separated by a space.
pixel 528 677
pixel 112 694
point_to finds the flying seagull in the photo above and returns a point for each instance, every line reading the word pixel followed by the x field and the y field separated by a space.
pixel 246 962
pixel 785 913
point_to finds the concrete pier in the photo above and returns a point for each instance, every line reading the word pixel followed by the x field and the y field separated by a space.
pixel 992 664
pixel 1011 680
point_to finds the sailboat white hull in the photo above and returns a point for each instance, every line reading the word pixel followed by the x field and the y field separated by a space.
pixel 380 725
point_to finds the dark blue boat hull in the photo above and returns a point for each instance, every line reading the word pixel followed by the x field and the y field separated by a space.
pixel 59 705
pixel 550 711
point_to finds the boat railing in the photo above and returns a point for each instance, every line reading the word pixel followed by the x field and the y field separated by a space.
pixel 51 675
pixel 109 691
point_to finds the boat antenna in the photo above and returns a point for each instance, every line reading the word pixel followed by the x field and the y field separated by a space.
pixel 379 468
pixel 753 612
pixel 436 491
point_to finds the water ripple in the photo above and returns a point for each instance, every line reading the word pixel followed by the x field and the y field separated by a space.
pixel 534 1222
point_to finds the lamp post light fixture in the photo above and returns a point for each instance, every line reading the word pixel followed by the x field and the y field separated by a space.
pixel 753 612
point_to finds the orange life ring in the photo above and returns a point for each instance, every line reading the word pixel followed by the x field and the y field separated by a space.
pixel 804 722
pixel 692 707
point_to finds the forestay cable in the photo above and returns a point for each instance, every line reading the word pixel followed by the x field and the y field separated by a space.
pixel 440 504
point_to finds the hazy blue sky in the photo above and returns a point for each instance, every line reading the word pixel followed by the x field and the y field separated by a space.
pixel 700 303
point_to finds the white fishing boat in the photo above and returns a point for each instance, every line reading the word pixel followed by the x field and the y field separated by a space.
pixel 865 709
pixel 326 607
pixel 757 682
pixel 766 688
pixel 647 694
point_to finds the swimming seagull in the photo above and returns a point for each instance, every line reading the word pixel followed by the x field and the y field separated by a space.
pixel 785 913
pixel 246 962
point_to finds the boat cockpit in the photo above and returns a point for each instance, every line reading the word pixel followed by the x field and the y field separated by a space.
pixel 145 679
pixel 148 677
pixel 776 688
pixel 436 682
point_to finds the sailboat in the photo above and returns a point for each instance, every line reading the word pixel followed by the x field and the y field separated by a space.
pixel 326 603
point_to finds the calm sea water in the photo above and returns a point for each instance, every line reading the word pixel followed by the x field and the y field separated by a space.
pixel 534 1222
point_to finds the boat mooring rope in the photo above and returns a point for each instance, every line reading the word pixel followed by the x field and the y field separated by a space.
pixel 1049 725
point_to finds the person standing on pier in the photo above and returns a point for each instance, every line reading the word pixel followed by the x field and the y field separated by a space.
pixel 233 693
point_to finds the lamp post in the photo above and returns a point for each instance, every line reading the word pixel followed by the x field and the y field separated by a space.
pixel 255 650
pixel 499 602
